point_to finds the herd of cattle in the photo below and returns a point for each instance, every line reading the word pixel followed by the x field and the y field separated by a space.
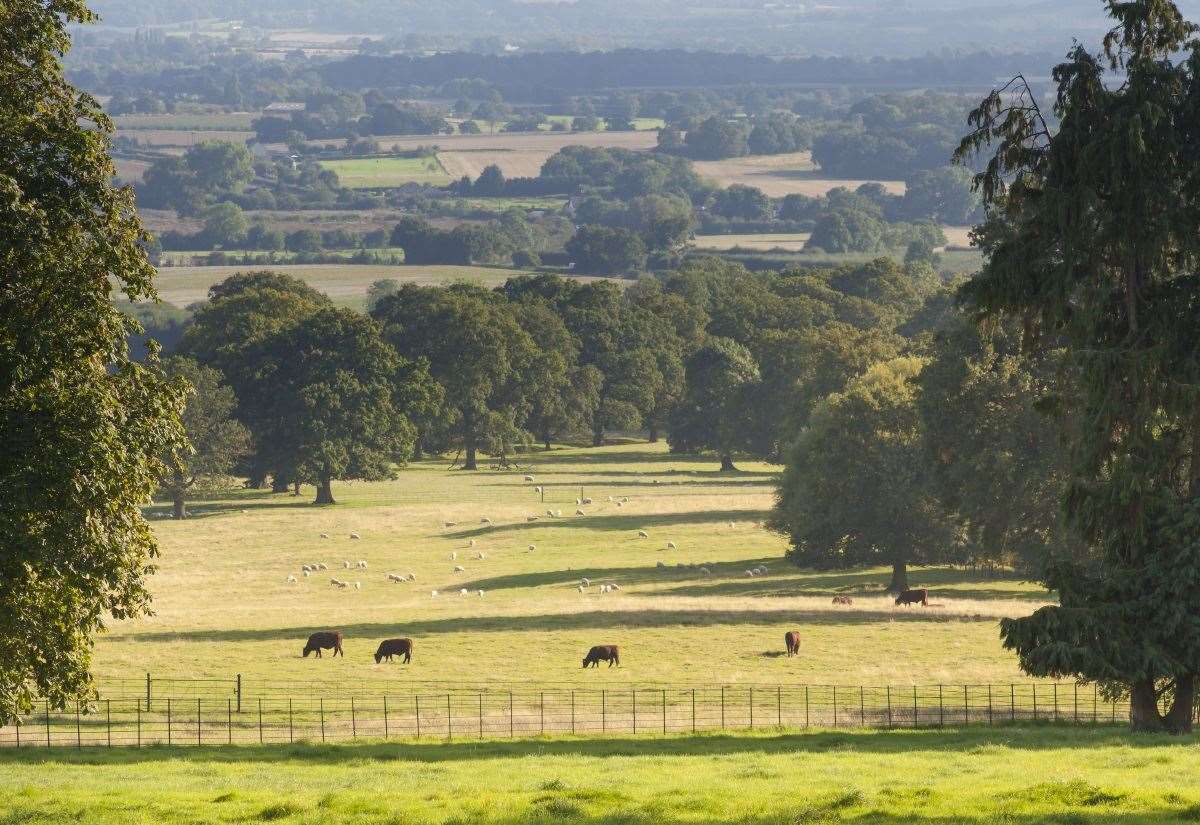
pixel 332 639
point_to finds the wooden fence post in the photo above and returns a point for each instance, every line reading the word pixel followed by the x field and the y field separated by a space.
pixel 989 703
pixel 603 711
pixel 542 712
pixel 239 693
pixel 47 723
pixel 78 728
pixel 1012 702
pixel 417 702
pixel 693 710
pixel 321 707
pixel 168 720
pixel 862 708
pixel 835 719
pixel 664 711
pixel 385 719
pixel 722 707
pixel 752 707
pixel 481 714
pixel 779 706
pixel 353 720
pixel 1035 701
pixel 941 707
pixel 291 723
pixel 107 713
pixel 510 715
pixel 229 720
pixel 966 707
pixel 147 693
pixel 260 727
pixel 633 706
pixel 806 706
pixel 449 723
pixel 572 713
pixel 889 705
pixel 197 720
pixel 916 712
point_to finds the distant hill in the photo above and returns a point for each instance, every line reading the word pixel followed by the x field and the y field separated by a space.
pixel 780 27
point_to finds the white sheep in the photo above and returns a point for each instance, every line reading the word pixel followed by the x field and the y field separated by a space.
pixel 732 525
pixel 642 534
pixel 529 478
pixel 291 579
pixel 558 513
pixel 581 588
pixel 481 594
pixel 604 588
pixel 751 573
pixel 531 518
pixel 625 499
pixel 613 587
pixel 433 594
pixel 471 543
pixel 358 585
pixel 337 583
pixel 392 577
pixel 531 548
pixel 453 556
pixel 538 489
pixel 485 520
pixel 458 568
pixel 346 565
pixel 304 568
pixel 462 592
pixel 362 564
pixel 610 498
pixel 307 574
pixel 671 545
pixel 355 536
pixel 411 577
pixel 585 582
pixel 324 535
pixel 660 564
pixel 704 571
pixel 322 566
pixel 587 501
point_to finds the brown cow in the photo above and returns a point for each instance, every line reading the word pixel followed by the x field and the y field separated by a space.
pixel 324 639
pixel 394 647
pixel 792 640
pixel 602 653
pixel 842 599
pixel 914 597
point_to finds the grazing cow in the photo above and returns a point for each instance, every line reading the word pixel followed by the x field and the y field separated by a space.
pixel 792 640
pixel 842 599
pixel 914 597
pixel 394 647
pixel 324 640
pixel 602 653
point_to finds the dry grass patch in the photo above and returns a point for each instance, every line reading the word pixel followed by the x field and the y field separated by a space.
pixel 780 175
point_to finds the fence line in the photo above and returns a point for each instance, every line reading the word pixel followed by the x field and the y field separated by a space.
pixel 191 719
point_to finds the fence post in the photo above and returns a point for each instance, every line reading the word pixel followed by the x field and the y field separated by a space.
pixel 751 708
pixel 779 706
pixel 260 728
pixel 633 706
pixel 806 706
pixel 693 710
pixel 417 702
pixel 1076 703
pixel 572 713
pixel 542 713
pixel 385 719
pixel 1012 702
pixel 229 720
pixel 197 720
pixel 941 707
pixel 1035 701
pixel 78 729
pixel 168 720
pixel 449 723
pixel 664 710
pixel 147 693
pixel 353 720
pixel 481 714
pixel 862 708
pixel 1095 690
pixel 722 707
pixel 510 714
pixel 291 723
pixel 1114 710
pixel 916 712
pixel 239 693
pixel 48 723
pixel 603 711
pixel 138 707
pixel 321 708
pixel 1055 696
pixel 989 703
pixel 835 719
pixel 17 725
pixel 889 705
pixel 107 713
pixel 966 707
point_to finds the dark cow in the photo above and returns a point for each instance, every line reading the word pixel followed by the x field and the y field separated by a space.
pixel 324 640
pixel 792 640
pixel 602 653
pixel 842 599
pixel 394 647
pixel 914 597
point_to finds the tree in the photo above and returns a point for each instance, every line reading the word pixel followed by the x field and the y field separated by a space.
pixel 490 182
pixel 854 490
pixel 476 350
pixel 216 440
pixel 225 225
pixel 82 427
pixel 1092 242
pixel 743 203
pixel 713 412
pixel 219 166
pixel 717 138
pixel 605 251
pixel 333 392
pixel 945 195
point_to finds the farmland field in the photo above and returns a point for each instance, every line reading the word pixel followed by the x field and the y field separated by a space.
pixel 792 242
pixel 780 175
pixel 170 138
pixel 358 173
pixel 345 283
pixel 189 121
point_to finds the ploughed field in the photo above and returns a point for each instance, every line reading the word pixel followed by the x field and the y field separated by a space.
pixel 689 615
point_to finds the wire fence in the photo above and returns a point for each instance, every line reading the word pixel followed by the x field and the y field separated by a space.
pixel 230 711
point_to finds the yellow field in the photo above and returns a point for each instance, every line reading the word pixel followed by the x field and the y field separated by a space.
pixel 792 242
pixel 223 603
pixel 780 175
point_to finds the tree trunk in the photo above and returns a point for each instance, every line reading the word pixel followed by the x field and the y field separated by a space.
pixel 546 438
pixel 1179 717
pixel 653 434
pixel 727 463
pixel 899 577
pixel 597 435
pixel 472 462
pixel 1144 716
pixel 179 508
pixel 296 487
pixel 418 452
pixel 280 483
pixel 324 489
pixel 256 480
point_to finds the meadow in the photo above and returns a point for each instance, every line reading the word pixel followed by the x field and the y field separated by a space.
pixel 781 175
pixel 369 173
pixel 764 242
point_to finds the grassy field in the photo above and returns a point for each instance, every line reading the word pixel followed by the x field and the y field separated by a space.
pixel 346 283
pixel 793 242
pixel 780 175
pixel 224 606
pixel 359 173
pixel 190 121
pixel 181 138
pixel 1017 776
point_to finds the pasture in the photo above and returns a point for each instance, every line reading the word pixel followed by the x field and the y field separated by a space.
pixel 346 284
pixel 766 242
pixel 223 603
pixel 370 173
pixel 780 175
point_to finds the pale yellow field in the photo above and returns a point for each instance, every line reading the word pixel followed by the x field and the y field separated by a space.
pixel 160 138
pixel 513 163
pixel 780 175
pixel 793 242
pixel 957 235
pixel 223 604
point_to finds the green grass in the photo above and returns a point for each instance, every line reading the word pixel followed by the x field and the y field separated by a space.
pixel 546 202
pixel 223 605
pixel 189 121
pixel 1019 776
pixel 361 173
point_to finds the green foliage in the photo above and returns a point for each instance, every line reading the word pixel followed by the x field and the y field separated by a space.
pixel 713 413
pixel 601 250
pixel 81 425
pixel 1093 244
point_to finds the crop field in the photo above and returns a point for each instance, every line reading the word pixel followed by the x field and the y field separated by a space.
pixel 189 121
pixel 791 242
pixel 175 138
pixel 780 175
pixel 345 283
pixel 359 173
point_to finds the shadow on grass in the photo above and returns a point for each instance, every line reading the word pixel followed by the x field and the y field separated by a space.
pixel 625 522
pixel 1021 738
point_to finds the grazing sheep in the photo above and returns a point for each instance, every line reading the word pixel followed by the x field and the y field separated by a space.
pixel 578 502
pixel 362 565
pixel 471 543
pixel 587 501
pixel 392 577
pixel 485 520
pixel 585 582
pixel 581 588
pixel 358 585
pixel 732 525
pixel 305 568
pixel 537 489
pixel 322 566
pixel 604 588
pixel 355 536
pixel 291 579
pixel 625 499
pixel 558 513
pixel 459 569
pixel 324 535
pixel 532 548
pixel 613 587
pixel 412 577
pixel 531 518
pixel 704 571
pixel 660 564
pixel 550 514
pixel 338 583
pixel 453 556
pixel 307 574
pixel 433 594
pixel 481 594
pixel 346 565
pixel 610 498
pixel 529 478
pixel 452 524
pixel 642 534
pixel 618 504
pixel 579 512
pixel 750 573
pixel 842 599
pixel 671 545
